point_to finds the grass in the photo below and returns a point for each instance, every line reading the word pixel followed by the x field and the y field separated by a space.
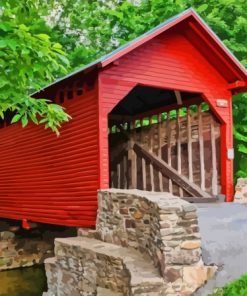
pixel 235 288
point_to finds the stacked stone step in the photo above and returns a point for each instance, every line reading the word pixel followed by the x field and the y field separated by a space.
pixel 85 266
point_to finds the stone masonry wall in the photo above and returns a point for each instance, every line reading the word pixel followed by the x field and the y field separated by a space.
pixel 144 244
pixel 159 224
pixel 241 190
pixel 22 248
pixel 22 252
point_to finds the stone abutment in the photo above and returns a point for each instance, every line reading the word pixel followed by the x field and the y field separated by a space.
pixel 145 243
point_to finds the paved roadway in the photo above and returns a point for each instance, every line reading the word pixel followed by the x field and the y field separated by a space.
pixel 223 227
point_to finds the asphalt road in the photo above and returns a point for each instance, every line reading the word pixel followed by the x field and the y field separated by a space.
pixel 223 227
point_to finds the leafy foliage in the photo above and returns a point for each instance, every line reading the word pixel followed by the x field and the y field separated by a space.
pixel 28 60
pixel 107 24
pixel 235 288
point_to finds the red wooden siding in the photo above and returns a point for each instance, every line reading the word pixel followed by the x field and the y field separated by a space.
pixel 55 180
pixel 48 179
pixel 168 61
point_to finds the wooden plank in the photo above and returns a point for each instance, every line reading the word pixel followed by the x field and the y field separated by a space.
pixel 132 156
pixel 178 97
pixel 214 168
pixel 189 145
pixel 119 118
pixel 167 108
pixel 118 175
pixel 201 147
pixel 112 178
pixel 200 199
pixel 159 151
pixel 125 169
pixel 150 143
pixel 122 173
pixel 182 181
pixel 144 177
pixel 144 180
pixel 118 156
pixel 169 159
pixel 179 167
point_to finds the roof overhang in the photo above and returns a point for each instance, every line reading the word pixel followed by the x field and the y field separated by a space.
pixel 199 33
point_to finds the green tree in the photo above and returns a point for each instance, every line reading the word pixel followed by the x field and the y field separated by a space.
pixel 28 61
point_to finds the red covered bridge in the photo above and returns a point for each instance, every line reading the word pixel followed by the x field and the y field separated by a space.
pixel 154 114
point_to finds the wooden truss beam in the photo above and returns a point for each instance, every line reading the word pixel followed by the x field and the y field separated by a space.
pixel 171 173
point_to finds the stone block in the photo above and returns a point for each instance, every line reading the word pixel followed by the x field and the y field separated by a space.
pixel 165 224
pixel 171 231
pixel 183 257
pixel 190 215
pixel 137 215
pixel 190 244
pixel 6 235
pixel 241 190
pixel 169 217
pixel 173 273
pixel 196 276
pixel 189 208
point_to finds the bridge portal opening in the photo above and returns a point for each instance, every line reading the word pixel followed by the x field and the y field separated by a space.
pixel 165 141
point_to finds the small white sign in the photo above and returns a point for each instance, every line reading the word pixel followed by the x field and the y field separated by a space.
pixel 222 103
pixel 230 153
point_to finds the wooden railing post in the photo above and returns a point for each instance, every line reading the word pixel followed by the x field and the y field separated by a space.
pixel 132 156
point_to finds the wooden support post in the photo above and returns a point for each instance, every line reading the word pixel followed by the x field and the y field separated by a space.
pixel 214 167
pixel 160 151
pixel 151 150
pixel 189 145
pixel 112 176
pixel 226 163
pixel 125 168
pixel 178 97
pixel 132 156
pixel 201 147
pixel 144 175
pixel 169 160
pixel 119 175
pixel 179 168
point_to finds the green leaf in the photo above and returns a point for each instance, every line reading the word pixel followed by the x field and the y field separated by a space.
pixel 43 37
pixel 63 59
pixel 57 46
pixel 24 120
pixel 12 44
pixel 16 118
pixel 242 148
pixel 202 8
pixel 5 27
pixel 43 120
pixel 3 83
pixel 23 27
pixel 34 118
pixel 3 43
